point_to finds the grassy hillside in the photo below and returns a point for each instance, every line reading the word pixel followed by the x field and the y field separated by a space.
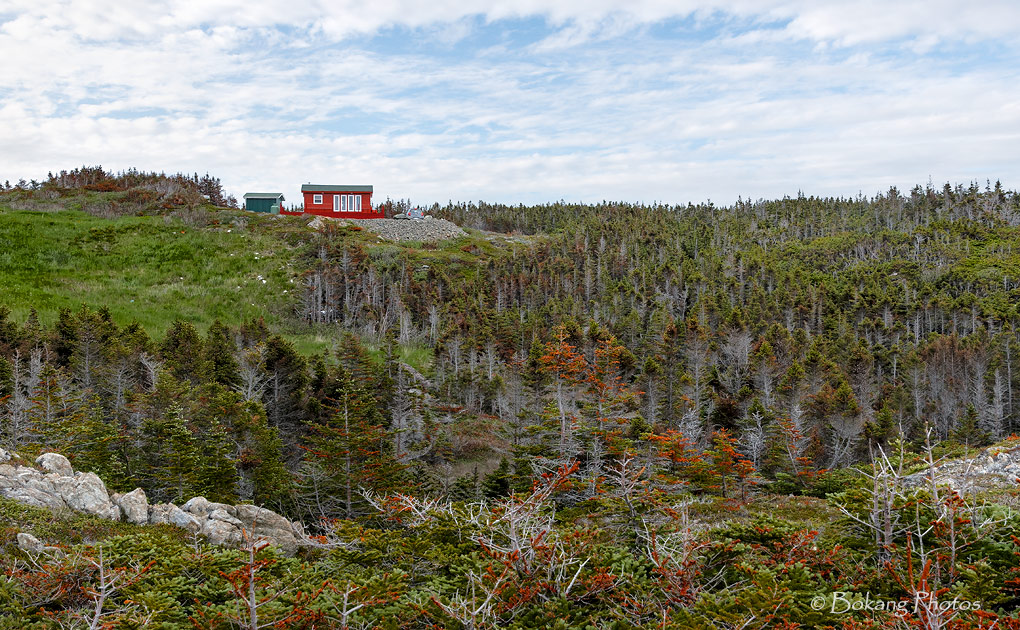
pixel 151 269
pixel 195 264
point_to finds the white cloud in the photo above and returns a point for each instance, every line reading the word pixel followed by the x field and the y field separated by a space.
pixel 751 98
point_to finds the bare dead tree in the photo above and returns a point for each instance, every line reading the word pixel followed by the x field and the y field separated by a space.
pixel 152 367
pixel 98 592
pixel 736 354
pixel 843 437
pixel 883 518
pixel 251 370
pixel 754 438
pixel 25 379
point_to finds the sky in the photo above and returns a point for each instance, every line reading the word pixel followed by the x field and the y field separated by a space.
pixel 650 101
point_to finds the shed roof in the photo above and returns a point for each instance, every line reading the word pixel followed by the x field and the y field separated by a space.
pixel 333 188
pixel 263 195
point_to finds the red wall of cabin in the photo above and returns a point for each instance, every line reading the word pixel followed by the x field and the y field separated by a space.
pixel 326 207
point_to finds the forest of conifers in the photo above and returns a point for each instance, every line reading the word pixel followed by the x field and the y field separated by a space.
pixel 601 363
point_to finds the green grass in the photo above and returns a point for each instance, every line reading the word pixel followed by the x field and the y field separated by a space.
pixel 152 270
pixel 197 266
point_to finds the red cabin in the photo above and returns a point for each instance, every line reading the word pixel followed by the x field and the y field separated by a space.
pixel 342 202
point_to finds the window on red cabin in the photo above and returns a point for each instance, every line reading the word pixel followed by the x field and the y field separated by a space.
pixel 317 199
pixel 347 203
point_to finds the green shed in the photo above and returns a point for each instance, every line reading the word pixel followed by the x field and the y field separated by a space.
pixel 263 202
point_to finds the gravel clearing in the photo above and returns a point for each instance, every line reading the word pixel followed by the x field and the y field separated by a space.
pixel 427 230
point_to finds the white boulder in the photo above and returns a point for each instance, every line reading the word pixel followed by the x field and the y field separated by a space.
pixel 197 505
pixel 29 543
pixel 260 522
pixel 180 518
pixel 225 517
pixel 55 463
pixel 88 494
pixel 58 487
pixel 221 532
pixel 134 505
pixel 160 513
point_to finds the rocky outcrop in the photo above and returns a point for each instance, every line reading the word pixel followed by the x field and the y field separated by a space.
pixel 55 463
pixel 55 485
pixel 995 467
pixel 134 506
pixel 86 492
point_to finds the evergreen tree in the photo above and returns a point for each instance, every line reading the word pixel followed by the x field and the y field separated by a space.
pixel 171 456
pixel 353 446
pixel 6 379
pixel 182 349
pixel 271 481
pixel 968 432
pixel 217 477
pixel 285 392
pixel 218 352
pixel 10 336
pixel 95 443
pixel 64 336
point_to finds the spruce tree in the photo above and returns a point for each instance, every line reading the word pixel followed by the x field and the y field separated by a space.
pixel 6 379
pixel 217 476
pixel 182 349
pixel 353 446
pixel 172 457
pixel 218 352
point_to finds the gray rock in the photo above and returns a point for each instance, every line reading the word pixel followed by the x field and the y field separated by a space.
pixel 173 515
pixel 160 513
pixel 255 517
pixel 285 540
pixel 60 488
pixel 182 519
pixel 4 456
pixel 29 543
pixel 134 505
pixel 196 505
pixel 430 230
pixel 221 532
pixel 229 509
pixel 37 498
pixel 88 494
pixel 25 473
pixel 266 524
pixel 55 463
pixel 224 516
pixel 201 507
pixel 28 485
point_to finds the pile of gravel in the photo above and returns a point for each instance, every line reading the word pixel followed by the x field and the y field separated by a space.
pixel 427 230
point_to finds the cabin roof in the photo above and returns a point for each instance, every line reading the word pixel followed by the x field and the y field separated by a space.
pixel 334 188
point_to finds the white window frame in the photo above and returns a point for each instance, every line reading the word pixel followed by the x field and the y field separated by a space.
pixel 348 203
pixel 317 199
